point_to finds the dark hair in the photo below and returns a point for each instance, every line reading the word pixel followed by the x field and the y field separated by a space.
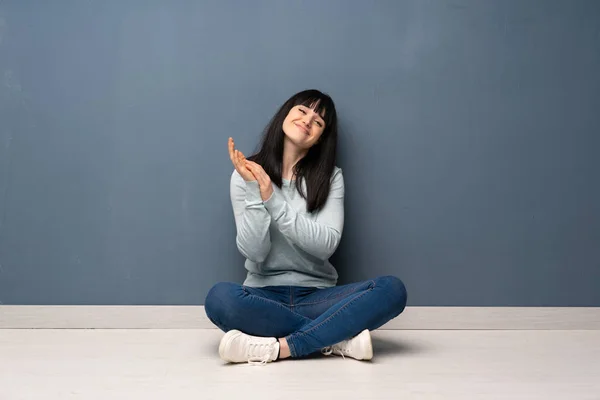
pixel 317 166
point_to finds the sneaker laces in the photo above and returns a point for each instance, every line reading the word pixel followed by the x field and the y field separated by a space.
pixel 338 349
pixel 260 353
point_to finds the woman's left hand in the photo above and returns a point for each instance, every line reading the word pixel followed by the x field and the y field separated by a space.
pixel 264 181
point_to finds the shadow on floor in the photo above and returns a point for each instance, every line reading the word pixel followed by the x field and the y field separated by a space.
pixel 386 346
pixel 383 347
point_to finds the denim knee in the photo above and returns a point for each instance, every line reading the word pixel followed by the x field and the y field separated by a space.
pixel 217 299
pixel 395 292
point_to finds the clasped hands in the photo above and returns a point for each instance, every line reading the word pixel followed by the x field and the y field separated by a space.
pixel 250 171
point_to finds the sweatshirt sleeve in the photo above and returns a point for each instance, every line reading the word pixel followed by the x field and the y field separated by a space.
pixel 319 237
pixel 251 219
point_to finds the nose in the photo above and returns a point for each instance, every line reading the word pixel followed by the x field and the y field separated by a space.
pixel 307 120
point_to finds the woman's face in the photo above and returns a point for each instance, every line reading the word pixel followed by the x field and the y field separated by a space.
pixel 303 126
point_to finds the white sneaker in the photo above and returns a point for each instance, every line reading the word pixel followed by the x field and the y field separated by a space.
pixel 238 347
pixel 359 347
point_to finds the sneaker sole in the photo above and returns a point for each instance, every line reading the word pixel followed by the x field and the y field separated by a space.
pixel 225 341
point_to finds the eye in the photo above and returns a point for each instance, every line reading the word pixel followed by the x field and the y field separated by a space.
pixel 302 111
pixel 320 124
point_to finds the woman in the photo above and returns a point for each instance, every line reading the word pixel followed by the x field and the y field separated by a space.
pixel 288 203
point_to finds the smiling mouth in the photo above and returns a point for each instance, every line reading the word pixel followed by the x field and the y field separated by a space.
pixel 303 129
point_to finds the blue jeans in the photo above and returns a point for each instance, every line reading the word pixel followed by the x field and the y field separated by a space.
pixel 310 319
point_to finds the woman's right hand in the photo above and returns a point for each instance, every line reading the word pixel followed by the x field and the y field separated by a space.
pixel 239 162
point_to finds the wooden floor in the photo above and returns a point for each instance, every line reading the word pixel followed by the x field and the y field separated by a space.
pixel 183 364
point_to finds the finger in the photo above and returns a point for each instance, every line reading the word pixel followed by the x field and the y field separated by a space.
pixel 258 169
pixel 242 159
pixel 252 172
pixel 231 148
pixel 249 166
pixel 254 165
pixel 236 161
pixel 239 157
pixel 258 172
pixel 252 169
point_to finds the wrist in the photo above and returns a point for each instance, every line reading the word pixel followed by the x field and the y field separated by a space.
pixel 267 193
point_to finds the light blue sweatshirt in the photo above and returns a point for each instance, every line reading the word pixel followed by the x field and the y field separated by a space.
pixel 284 245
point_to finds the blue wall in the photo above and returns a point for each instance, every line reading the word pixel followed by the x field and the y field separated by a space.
pixel 469 142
